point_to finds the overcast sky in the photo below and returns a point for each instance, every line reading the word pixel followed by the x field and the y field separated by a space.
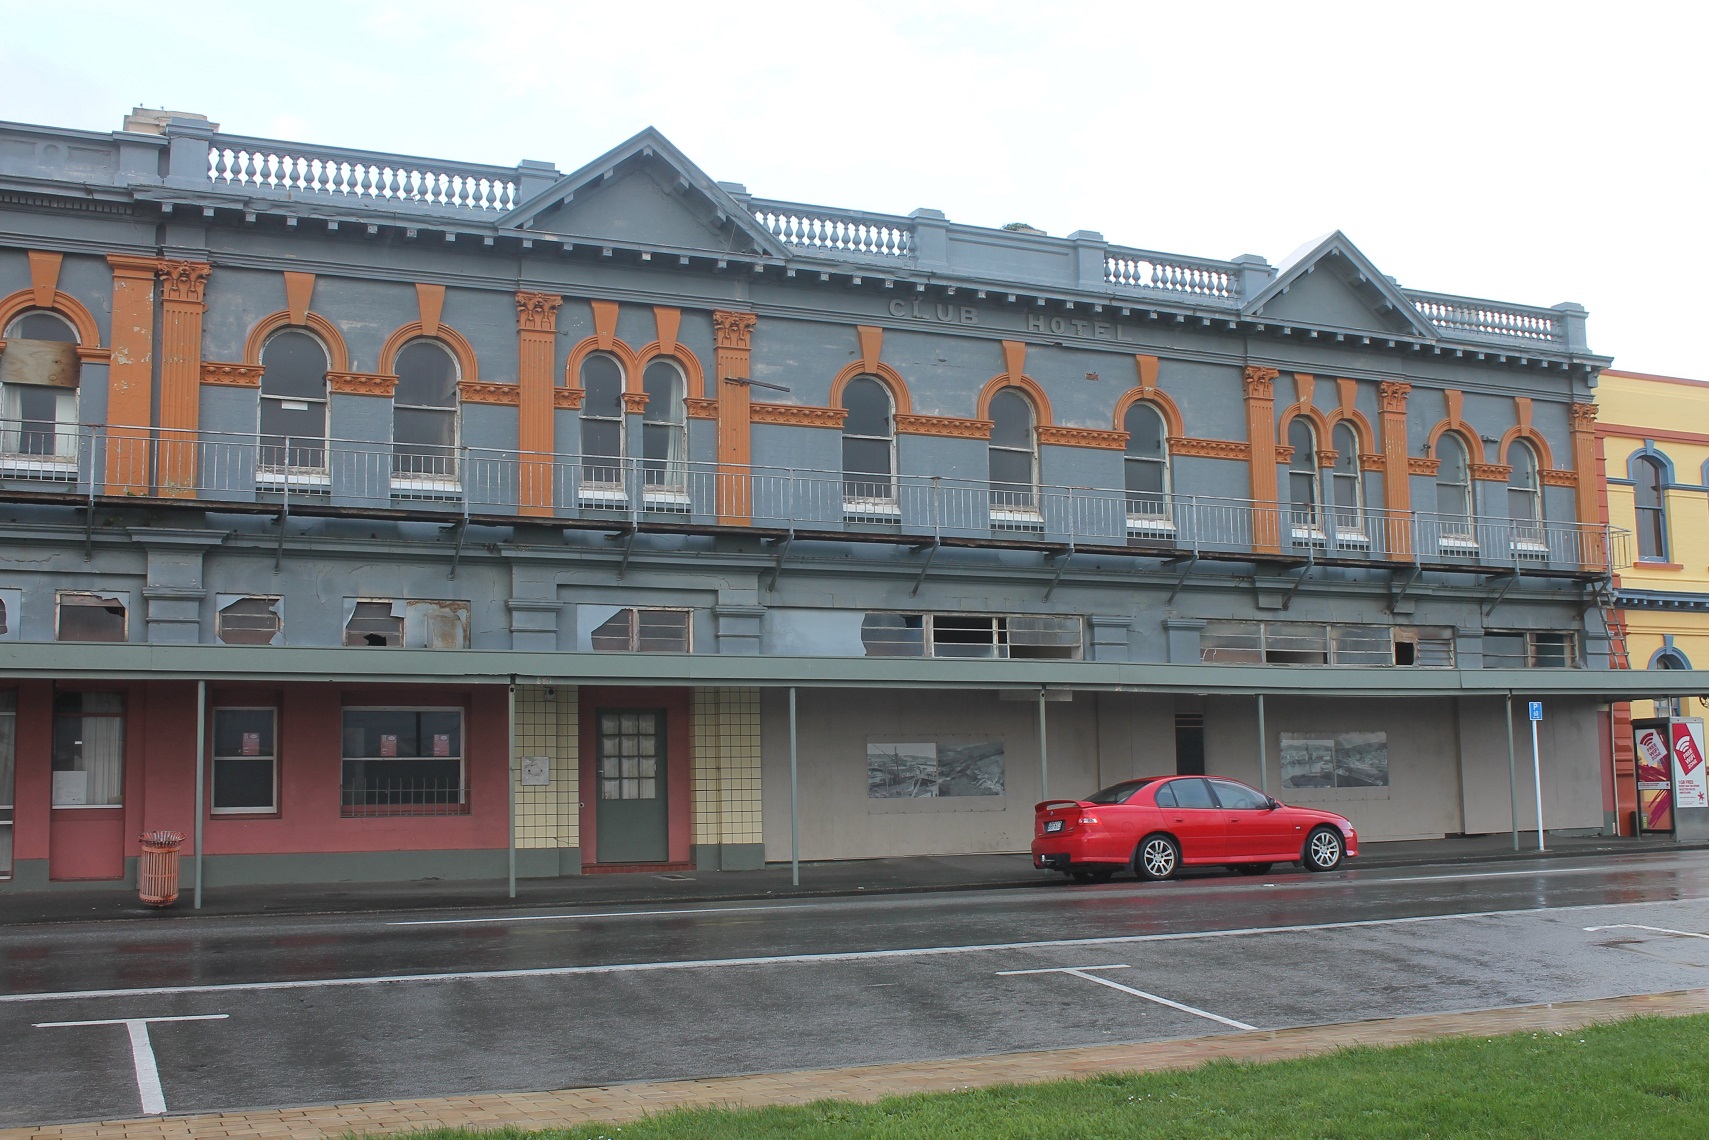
pixel 1532 153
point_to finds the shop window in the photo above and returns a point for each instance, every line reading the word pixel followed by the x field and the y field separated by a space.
pixel 88 750
pixel 90 617
pixel 8 766
pixel 424 416
pixel 643 630
pixel 664 432
pixel 602 422
pixel 1649 477
pixel 293 409
pixel 1000 637
pixel 1013 459
pixel 869 448
pixel 1145 466
pixel 245 761
pixel 403 761
pixel 1530 649
pixel 39 372
pixel 412 624
pixel 249 621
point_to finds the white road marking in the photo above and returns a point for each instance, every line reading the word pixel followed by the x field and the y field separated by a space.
pixel 1081 972
pixel 563 917
pixel 1651 929
pixel 800 959
pixel 142 1053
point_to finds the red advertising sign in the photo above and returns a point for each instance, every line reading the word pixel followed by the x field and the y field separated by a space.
pixel 1690 776
pixel 1655 781
pixel 1685 748
pixel 442 744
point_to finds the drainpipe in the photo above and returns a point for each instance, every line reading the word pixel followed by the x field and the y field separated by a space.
pixel 1512 776
pixel 510 775
pixel 1263 750
pixel 794 801
pixel 1043 751
pixel 201 778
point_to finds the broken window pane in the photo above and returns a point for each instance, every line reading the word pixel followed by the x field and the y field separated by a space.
pixel 249 621
pixel 643 631
pixel 893 635
pixel 91 617
pixel 372 623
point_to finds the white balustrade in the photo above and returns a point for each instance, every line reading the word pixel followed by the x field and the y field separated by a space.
pixel 1136 270
pixel 840 232
pixel 1481 318
pixel 267 167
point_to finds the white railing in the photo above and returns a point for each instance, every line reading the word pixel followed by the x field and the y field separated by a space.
pixel 837 231
pixel 1141 269
pixel 266 165
pixel 1485 318
pixel 109 463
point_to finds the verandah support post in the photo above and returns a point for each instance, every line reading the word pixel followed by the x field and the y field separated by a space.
pixel 1512 776
pixel 201 779
pixel 510 775
pixel 1043 751
pixel 1263 750
pixel 794 801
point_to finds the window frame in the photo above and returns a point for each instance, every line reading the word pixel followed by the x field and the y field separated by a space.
pixel 1303 466
pixel 1002 641
pixel 275 606
pixel 122 716
pixel 288 474
pixel 1348 517
pixel 451 478
pixel 1144 520
pixel 672 489
pixel 214 757
pixel 68 403
pixel 1009 506
pixel 462 804
pixel 858 502
pixel 603 491
pixel 59 598
pixel 634 634
pixel 1655 513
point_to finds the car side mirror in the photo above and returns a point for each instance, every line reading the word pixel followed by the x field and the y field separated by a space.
pixel 1272 802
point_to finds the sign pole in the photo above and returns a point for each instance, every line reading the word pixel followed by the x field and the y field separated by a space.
pixel 1512 776
pixel 1263 746
pixel 201 779
pixel 794 800
pixel 1537 769
pixel 1043 750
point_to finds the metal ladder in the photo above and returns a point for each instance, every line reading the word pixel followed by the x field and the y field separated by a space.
pixel 1618 658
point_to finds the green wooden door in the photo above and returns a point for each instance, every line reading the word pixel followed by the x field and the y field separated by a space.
pixel 630 818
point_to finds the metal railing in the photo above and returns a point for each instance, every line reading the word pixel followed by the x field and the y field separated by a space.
pixel 118 463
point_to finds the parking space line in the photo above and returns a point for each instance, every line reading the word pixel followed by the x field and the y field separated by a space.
pixel 1651 929
pixel 148 1088
pixel 809 959
pixel 1082 972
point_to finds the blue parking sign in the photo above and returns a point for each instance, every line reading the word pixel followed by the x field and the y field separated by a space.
pixel 1536 710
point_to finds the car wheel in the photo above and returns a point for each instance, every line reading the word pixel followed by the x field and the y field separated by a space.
pixel 1099 876
pixel 1249 868
pixel 1324 849
pixel 1157 857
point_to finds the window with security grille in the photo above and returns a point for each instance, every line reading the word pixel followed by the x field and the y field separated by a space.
pixel 641 630
pixel 1530 649
pixel 989 636
pixel 403 761
pixel 1313 643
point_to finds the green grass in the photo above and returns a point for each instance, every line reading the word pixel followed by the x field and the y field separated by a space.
pixel 1647 1077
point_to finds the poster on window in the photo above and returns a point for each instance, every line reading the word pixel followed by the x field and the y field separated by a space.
pixel 1335 760
pixel 933 769
pixel 252 744
pixel 388 744
pixel 442 744
pixel 1690 774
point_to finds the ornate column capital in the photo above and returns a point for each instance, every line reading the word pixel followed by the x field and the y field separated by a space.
pixel 537 312
pixel 1392 395
pixel 1260 382
pixel 1584 417
pixel 184 281
pixel 732 329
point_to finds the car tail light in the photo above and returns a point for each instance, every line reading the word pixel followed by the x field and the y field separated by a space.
pixel 1087 819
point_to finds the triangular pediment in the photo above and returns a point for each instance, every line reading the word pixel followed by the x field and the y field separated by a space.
pixel 645 192
pixel 1329 284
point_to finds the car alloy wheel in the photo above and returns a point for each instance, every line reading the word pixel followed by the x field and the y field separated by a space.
pixel 1323 850
pixel 1158 858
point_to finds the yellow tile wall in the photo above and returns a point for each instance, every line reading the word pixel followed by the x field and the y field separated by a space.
pixel 547 726
pixel 726 766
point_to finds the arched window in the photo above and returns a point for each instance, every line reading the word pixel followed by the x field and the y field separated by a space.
pixel 424 412
pixel 38 390
pixel 1013 452
pixel 1650 501
pixel 602 421
pixel 1346 485
pixel 1524 492
pixel 1304 489
pixel 1453 478
pixel 1146 464
pixel 293 403
pixel 1669 658
pixel 869 444
pixel 664 428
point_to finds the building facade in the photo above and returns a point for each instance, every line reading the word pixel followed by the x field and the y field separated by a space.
pixel 378 517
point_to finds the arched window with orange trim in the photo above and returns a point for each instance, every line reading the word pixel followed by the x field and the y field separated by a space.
pixel 424 413
pixel 1524 490
pixel 1346 484
pixel 1146 465
pixel 869 446
pixel 1013 452
pixel 664 428
pixel 1305 487
pixel 292 417
pixel 39 375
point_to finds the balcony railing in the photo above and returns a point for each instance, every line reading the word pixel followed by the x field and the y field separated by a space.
pixel 112 463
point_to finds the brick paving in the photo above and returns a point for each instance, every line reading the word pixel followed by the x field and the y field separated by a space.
pixel 618 1103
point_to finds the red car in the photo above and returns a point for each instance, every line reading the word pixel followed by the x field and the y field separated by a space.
pixel 1159 824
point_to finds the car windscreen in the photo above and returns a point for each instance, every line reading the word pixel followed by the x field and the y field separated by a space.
pixel 1117 793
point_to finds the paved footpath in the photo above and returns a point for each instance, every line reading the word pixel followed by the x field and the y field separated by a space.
pixel 619 1103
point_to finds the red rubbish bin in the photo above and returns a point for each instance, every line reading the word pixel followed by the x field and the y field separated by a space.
pixel 157 873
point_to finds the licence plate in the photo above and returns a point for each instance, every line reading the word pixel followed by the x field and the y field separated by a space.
pixel 1051 825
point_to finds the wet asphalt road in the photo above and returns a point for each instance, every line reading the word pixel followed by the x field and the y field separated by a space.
pixel 389 1006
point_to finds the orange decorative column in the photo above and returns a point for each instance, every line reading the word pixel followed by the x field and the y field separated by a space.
pixel 130 376
pixel 1397 468
pixel 1597 555
pixel 733 335
pixel 536 337
pixel 181 308
pixel 1261 439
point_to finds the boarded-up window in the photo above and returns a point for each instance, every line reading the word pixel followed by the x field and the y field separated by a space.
pixel 417 624
pixel 91 617
pixel 637 630
pixel 249 621
pixel 373 623
pixel 38 388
